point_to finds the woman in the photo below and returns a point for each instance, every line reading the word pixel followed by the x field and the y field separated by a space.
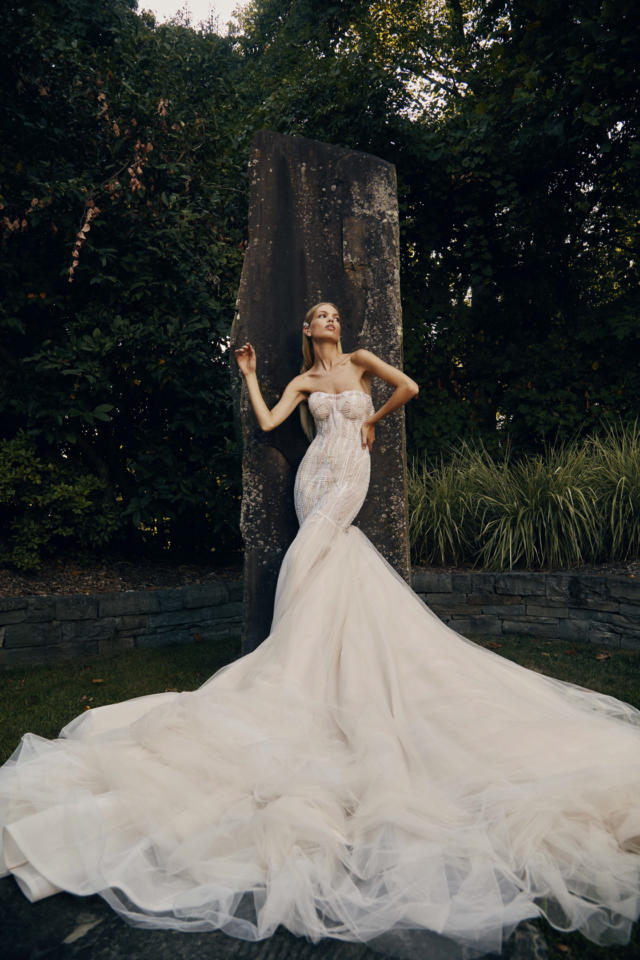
pixel 325 365
pixel 365 774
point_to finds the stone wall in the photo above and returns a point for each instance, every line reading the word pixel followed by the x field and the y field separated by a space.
pixel 35 630
pixel 569 606
pixel 575 607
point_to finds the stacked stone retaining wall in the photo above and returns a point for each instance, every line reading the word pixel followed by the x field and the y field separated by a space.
pixel 578 607
pixel 571 606
pixel 37 630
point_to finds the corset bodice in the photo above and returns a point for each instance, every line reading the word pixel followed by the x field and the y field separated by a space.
pixel 333 477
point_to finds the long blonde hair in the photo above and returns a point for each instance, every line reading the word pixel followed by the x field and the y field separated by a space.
pixel 308 360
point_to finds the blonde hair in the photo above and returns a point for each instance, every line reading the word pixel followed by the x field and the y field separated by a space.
pixel 308 360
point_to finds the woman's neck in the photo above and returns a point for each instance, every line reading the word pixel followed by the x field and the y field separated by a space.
pixel 326 355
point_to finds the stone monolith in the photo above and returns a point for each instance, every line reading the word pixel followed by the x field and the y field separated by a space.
pixel 323 225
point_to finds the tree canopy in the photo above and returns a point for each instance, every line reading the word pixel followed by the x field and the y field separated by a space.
pixel 513 125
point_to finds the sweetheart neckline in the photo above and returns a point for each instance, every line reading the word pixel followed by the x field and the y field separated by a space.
pixel 325 394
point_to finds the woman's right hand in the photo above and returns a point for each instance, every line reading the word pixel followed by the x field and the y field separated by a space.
pixel 246 359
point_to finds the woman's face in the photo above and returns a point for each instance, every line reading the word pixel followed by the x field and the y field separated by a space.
pixel 325 323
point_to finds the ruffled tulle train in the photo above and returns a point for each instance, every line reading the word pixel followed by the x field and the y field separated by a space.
pixel 365 774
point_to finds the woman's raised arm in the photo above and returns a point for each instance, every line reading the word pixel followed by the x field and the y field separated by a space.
pixel 291 396
pixel 405 389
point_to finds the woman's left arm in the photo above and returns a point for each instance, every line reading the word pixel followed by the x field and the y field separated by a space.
pixel 405 389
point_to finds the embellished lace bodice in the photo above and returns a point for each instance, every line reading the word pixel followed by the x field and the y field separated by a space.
pixel 333 478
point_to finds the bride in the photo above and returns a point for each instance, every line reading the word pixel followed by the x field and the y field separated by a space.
pixel 366 774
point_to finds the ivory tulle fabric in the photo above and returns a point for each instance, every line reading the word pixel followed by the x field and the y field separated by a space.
pixel 366 774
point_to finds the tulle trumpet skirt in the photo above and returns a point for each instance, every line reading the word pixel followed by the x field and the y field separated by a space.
pixel 365 773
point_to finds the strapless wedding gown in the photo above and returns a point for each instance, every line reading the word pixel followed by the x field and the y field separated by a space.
pixel 365 774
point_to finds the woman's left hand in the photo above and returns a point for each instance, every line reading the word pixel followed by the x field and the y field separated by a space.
pixel 368 434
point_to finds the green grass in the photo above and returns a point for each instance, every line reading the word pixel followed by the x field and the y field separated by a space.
pixel 576 503
pixel 609 670
pixel 43 699
pixel 573 946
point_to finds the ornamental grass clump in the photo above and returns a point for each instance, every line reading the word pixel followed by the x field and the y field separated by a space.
pixel 615 475
pixel 540 511
pixel 437 505
pixel 442 505
pixel 575 503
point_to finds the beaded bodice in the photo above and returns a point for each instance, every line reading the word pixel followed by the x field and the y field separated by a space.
pixel 333 478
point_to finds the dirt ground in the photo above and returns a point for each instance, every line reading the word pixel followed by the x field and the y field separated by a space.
pixel 67 575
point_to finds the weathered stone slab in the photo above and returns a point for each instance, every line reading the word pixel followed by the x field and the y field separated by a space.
pixel 40 609
pixel 602 633
pixel 476 582
pixel 424 581
pixel 546 610
pixel 587 613
pixel 573 630
pixel 134 601
pixel 131 623
pixel 76 608
pixel 624 621
pixel 13 616
pixel 452 601
pixel 480 599
pixel 323 225
pixel 505 609
pixel 630 610
pixel 171 618
pixel 557 586
pixel 12 603
pixel 460 610
pixel 583 586
pixel 170 599
pixel 31 634
pixel 459 624
pixel 628 590
pixel 519 583
pixel 505 599
pixel 530 627
pixel 597 603
pixel 204 594
pixel 228 611
pixel 84 631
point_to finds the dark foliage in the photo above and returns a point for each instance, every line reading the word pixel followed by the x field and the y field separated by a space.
pixel 514 130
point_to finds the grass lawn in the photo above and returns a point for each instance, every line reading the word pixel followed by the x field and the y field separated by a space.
pixel 43 699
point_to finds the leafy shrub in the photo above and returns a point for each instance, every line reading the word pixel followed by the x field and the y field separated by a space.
pixel 122 227
pixel 45 505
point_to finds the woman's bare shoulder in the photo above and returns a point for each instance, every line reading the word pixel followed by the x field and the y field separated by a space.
pixel 302 383
pixel 362 357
